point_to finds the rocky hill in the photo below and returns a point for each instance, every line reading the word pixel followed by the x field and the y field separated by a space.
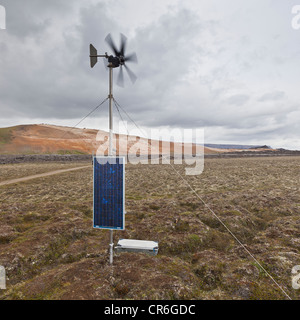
pixel 43 138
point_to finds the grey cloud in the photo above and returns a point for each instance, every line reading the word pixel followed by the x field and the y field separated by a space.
pixel 272 96
pixel 238 99
pixel 31 18
pixel 192 72
pixel 50 76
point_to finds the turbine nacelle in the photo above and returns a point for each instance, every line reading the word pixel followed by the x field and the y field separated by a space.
pixel 116 61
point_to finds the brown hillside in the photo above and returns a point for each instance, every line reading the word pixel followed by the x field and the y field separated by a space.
pixel 43 138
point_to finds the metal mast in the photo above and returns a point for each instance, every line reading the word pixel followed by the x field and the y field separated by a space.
pixel 110 96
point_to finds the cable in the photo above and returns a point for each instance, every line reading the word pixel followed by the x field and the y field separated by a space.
pixel 231 233
pixel 121 116
pixel 224 225
pixel 98 106
pixel 129 117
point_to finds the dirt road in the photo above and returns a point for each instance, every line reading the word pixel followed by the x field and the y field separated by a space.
pixel 3 183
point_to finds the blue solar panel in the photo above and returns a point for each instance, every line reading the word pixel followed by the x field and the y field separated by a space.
pixel 109 192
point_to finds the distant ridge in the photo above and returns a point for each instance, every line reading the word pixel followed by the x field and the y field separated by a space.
pixel 235 146
pixel 52 139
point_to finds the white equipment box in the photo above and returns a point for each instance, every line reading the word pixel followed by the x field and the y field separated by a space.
pixel 127 245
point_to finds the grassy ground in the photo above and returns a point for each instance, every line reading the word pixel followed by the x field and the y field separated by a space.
pixel 51 251
pixel 13 171
pixel 5 135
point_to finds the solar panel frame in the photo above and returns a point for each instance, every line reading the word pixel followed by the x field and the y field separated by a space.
pixel 97 211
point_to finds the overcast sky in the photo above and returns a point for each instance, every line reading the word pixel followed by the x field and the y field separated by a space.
pixel 228 66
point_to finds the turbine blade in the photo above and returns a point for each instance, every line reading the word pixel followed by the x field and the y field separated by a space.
pixel 110 42
pixel 120 80
pixel 132 76
pixel 131 57
pixel 105 63
pixel 123 45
